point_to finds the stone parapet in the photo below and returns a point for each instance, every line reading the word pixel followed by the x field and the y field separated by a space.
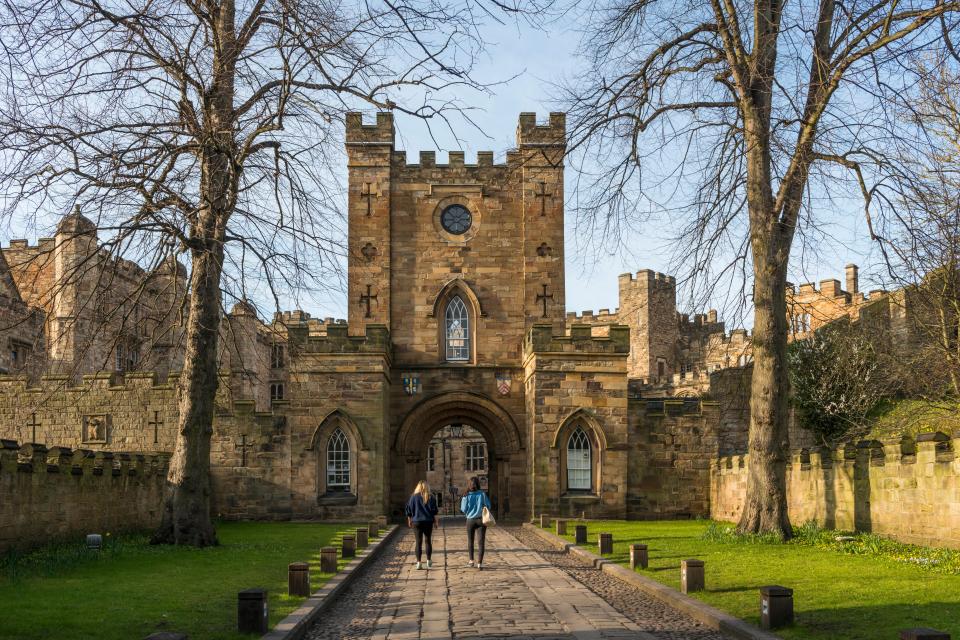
pixel 580 340
pixel 60 493
pixel 376 339
pixel 908 489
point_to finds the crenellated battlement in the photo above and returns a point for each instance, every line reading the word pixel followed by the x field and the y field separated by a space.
pixel 580 339
pixel 589 317
pixel 647 277
pixel 376 339
pixel 553 133
pixel 379 133
pixel 37 458
pixel 455 160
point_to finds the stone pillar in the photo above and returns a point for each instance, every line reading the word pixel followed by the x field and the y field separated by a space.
pixel 328 560
pixel 580 534
pixel 605 543
pixel 561 527
pixel 348 546
pixel 382 521
pixel 691 575
pixel 923 633
pixel 373 529
pixel 638 556
pixel 776 607
pixel 252 611
pixel 362 537
pixel 298 579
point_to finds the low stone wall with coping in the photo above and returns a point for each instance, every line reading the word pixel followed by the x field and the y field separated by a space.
pixel 50 494
pixel 907 489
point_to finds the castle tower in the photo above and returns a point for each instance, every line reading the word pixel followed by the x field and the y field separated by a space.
pixel 369 153
pixel 648 305
pixel 541 151
pixel 75 276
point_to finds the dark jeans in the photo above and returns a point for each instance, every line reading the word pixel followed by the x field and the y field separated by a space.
pixel 473 525
pixel 424 530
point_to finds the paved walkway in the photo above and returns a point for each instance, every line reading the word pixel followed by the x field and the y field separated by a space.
pixel 518 594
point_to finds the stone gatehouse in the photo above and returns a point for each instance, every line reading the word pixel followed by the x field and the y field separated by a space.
pixel 457 318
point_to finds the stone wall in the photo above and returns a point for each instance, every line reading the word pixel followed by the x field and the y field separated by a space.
pixel 908 490
pixel 59 493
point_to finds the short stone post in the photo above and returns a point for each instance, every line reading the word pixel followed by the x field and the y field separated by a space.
pixel 252 612
pixel 167 635
pixel 561 527
pixel 348 546
pixel 94 541
pixel 638 556
pixel 691 576
pixel 544 521
pixel 298 579
pixel 776 607
pixel 923 633
pixel 580 534
pixel 373 529
pixel 328 560
pixel 361 537
pixel 605 543
pixel 382 521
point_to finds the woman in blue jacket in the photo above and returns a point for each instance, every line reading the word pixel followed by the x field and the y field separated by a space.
pixel 422 513
pixel 472 506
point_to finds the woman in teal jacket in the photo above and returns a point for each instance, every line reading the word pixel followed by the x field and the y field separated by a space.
pixel 472 506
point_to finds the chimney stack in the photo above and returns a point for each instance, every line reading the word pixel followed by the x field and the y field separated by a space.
pixel 853 283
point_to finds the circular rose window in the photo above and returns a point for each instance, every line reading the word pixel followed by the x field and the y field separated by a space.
pixel 456 219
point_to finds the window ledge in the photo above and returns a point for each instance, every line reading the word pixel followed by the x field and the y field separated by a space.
pixel 577 496
pixel 337 498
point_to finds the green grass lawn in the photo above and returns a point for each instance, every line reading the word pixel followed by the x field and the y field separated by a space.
pixel 837 595
pixel 133 589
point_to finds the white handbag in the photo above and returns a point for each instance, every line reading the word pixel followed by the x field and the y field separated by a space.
pixel 487 518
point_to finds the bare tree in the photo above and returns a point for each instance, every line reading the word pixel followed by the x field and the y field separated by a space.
pixel 734 113
pixel 206 128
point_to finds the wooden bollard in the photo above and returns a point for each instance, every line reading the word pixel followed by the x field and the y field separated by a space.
pixel 923 633
pixel 561 527
pixel 776 607
pixel 382 521
pixel 373 529
pixel 298 579
pixel 605 543
pixel 638 556
pixel 348 546
pixel 580 534
pixel 691 575
pixel 362 537
pixel 252 612
pixel 328 560
pixel 544 521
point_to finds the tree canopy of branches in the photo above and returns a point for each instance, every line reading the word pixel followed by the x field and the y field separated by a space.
pixel 734 113
pixel 838 375
pixel 206 129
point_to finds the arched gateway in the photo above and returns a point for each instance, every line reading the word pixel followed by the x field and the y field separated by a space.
pixel 505 452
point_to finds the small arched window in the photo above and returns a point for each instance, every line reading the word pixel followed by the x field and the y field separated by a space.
pixel 338 462
pixel 579 461
pixel 457 332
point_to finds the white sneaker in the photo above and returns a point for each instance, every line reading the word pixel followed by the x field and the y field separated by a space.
pixel 470 564
pixel 429 564
pixel 418 565
pixel 479 567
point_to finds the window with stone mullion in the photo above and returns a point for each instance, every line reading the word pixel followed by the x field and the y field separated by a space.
pixel 579 467
pixel 457 331
pixel 338 462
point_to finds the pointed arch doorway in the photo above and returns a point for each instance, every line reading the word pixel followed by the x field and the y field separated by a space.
pixel 503 457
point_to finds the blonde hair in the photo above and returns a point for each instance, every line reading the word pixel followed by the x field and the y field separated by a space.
pixel 424 490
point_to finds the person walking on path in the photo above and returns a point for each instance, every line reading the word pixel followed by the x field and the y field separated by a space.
pixel 422 514
pixel 472 505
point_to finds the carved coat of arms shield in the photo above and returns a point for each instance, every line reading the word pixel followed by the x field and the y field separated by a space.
pixel 411 383
pixel 503 382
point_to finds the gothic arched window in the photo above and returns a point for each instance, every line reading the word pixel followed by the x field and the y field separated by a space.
pixel 457 332
pixel 338 462
pixel 579 461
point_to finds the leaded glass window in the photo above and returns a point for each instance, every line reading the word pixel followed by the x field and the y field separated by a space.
pixel 458 331
pixel 338 462
pixel 578 461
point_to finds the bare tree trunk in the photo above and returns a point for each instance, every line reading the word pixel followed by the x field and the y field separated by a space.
pixel 765 508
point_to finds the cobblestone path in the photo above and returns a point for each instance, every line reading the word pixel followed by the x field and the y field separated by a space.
pixel 518 594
